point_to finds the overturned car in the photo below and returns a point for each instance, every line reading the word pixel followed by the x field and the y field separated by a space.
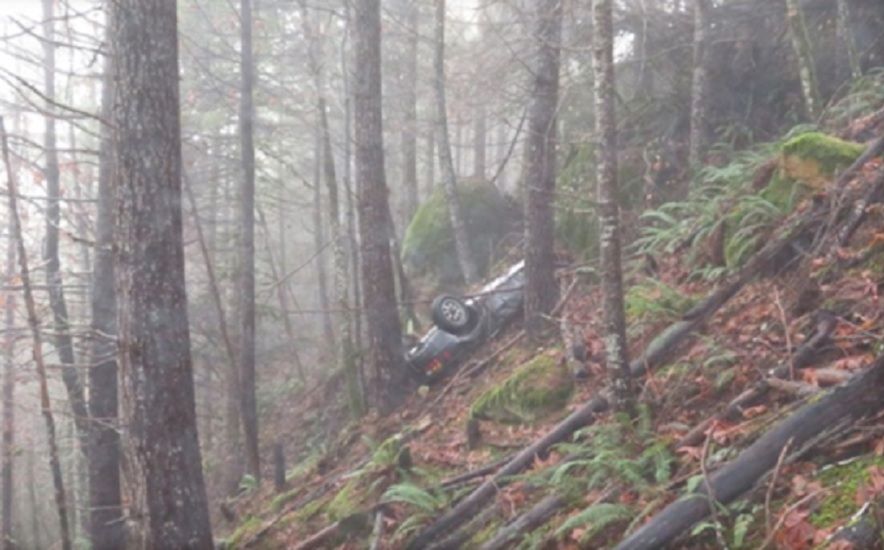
pixel 463 325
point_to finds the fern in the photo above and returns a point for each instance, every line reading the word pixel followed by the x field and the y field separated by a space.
pixel 418 497
pixel 595 519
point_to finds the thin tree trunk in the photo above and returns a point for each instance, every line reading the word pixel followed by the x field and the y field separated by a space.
pixel 430 167
pixel 609 208
pixel 34 325
pixel 154 335
pixel 540 171
pixel 248 406
pixel 699 101
pixel 33 505
pixel 328 332
pixel 480 138
pixel 8 450
pixel 846 33
pixel 409 130
pixel 449 178
pixel 382 318
pixel 63 342
pixel 346 356
pixel 107 528
pixel 804 55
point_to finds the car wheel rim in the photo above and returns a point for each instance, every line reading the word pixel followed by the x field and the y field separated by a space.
pixel 453 313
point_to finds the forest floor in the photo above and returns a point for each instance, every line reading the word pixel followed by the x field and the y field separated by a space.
pixel 380 481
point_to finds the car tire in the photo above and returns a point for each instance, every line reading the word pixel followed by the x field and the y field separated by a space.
pixel 452 314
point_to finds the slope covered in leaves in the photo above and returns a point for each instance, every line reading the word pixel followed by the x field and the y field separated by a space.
pixel 380 481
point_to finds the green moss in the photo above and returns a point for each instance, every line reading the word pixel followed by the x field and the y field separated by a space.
pixel 282 499
pixel 248 527
pixel 428 246
pixel 653 301
pixel 813 158
pixel 539 387
pixel 842 482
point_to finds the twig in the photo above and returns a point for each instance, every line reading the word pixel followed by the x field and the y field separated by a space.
pixel 779 303
pixel 773 483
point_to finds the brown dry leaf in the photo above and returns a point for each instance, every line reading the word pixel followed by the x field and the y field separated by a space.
pixel 752 412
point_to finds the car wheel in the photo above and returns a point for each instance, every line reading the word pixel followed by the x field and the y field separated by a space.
pixel 452 315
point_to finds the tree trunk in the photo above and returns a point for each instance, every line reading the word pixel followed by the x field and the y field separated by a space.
pixel 845 31
pixel 384 331
pixel 154 335
pixel 328 333
pixel 699 85
pixel 248 406
pixel 430 166
pixel 107 527
pixel 34 324
pixel 409 130
pixel 804 56
pixel 609 208
pixel 63 342
pixel 480 139
pixel 449 178
pixel 8 450
pixel 540 170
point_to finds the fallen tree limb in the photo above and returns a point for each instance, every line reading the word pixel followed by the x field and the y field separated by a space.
pixel 473 474
pixel 538 515
pixel 860 397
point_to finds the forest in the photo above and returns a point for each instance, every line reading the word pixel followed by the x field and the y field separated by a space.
pixel 429 274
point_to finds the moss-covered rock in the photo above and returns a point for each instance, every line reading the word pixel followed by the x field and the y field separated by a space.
pixel 806 164
pixel 814 158
pixel 537 388
pixel 428 246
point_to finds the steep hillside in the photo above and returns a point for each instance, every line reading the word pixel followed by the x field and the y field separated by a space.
pixel 748 300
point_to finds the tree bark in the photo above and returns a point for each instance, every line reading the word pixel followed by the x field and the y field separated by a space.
pixel 804 57
pixel 328 332
pixel 541 290
pixel 248 405
pixel 154 336
pixel 382 319
pixel 609 208
pixel 699 101
pixel 107 527
pixel 449 178
pixel 34 325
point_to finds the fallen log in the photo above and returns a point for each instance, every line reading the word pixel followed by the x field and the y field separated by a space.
pixel 860 397
pixel 458 480
pixel 535 517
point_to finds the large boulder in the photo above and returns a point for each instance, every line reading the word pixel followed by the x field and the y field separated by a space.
pixel 428 247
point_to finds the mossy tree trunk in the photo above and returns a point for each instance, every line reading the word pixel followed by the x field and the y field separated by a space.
pixel 804 56
pixel 699 101
pixel 609 208
pixel 540 170
pixel 449 178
